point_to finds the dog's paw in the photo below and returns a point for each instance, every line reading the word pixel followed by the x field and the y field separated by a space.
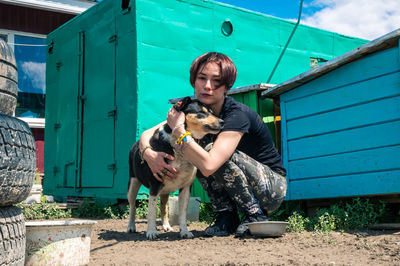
pixel 131 229
pixel 186 234
pixel 167 228
pixel 152 234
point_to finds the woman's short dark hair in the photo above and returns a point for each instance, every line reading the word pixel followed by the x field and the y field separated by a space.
pixel 228 68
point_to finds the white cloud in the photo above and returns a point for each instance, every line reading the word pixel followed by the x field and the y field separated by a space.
pixel 36 72
pixel 368 19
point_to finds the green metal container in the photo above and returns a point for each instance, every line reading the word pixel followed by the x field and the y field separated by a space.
pixel 112 69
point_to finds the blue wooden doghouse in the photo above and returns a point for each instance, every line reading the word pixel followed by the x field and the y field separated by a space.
pixel 340 124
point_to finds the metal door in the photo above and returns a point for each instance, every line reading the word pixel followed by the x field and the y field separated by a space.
pixel 98 111
pixel 61 131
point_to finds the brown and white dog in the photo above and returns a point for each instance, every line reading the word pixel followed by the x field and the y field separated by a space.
pixel 199 122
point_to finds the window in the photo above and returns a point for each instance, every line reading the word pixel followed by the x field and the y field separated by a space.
pixel 30 56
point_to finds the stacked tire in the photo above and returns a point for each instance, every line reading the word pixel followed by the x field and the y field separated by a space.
pixel 17 164
pixel 8 80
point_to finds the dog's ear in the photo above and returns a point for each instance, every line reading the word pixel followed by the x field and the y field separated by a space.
pixel 179 106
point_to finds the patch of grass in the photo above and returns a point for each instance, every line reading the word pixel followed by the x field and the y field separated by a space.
pixel 363 213
pixel 324 222
pixel 206 213
pixel 354 215
pixel 43 211
pixel 141 209
pixel 87 209
pixel 96 210
pixel 297 223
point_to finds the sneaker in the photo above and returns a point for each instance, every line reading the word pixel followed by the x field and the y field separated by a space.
pixel 243 229
pixel 224 225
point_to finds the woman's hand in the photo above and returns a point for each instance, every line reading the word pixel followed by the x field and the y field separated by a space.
pixel 160 169
pixel 176 120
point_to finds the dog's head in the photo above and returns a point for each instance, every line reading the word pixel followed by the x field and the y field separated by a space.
pixel 200 121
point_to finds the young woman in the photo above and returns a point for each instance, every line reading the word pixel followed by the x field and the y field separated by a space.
pixel 242 170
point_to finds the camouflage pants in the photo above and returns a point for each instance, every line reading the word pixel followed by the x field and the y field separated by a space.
pixel 245 184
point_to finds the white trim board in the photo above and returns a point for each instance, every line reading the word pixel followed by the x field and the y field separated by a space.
pixel 33 122
pixel 74 7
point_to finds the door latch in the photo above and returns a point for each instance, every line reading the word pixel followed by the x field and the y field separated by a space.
pixel 112 166
pixel 112 113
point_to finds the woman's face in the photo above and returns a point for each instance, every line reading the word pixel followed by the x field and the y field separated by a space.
pixel 207 86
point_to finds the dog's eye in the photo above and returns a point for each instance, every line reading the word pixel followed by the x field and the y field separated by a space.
pixel 200 116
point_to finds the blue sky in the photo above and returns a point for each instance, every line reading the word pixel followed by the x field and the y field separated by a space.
pixel 368 19
pixel 278 8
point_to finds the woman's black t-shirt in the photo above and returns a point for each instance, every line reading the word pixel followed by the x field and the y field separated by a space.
pixel 256 140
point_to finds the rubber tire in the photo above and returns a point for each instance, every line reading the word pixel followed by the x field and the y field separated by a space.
pixel 8 79
pixel 17 160
pixel 12 236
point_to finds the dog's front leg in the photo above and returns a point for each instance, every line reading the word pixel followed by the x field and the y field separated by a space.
pixel 184 196
pixel 164 213
pixel 151 218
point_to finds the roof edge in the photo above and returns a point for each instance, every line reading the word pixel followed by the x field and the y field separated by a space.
pixel 71 7
pixel 381 43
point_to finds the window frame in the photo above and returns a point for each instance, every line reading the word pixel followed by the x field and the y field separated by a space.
pixel 32 122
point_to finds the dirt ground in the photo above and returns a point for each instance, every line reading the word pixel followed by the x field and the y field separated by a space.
pixel 111 245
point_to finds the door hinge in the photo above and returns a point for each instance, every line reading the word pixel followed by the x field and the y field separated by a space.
pixel 59 65
pixel 113 38
pixel 55 170
pixel 50 48
pixel 83 97
pixel 112 113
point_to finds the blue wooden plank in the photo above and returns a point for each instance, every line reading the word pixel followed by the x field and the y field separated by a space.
pixel 372 136
pixel 373 65
pixel 350 117
pixel 284 143
pixel 364 91
pixel 380 159
pixel 346 186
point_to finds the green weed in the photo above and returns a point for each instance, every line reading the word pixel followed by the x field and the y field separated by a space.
pixel 87 209
pixel 206 213
pixel 43 211
pixel 354 215
pixel 297 223
pixel 363 213
pixel 141 209
pixel 96 210
pixel 324 222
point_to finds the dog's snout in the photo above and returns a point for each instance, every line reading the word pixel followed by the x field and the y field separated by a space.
pixel 221 122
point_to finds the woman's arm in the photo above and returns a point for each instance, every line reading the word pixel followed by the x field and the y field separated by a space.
pixel 206 162
pixel 222 150
pixel 154 159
